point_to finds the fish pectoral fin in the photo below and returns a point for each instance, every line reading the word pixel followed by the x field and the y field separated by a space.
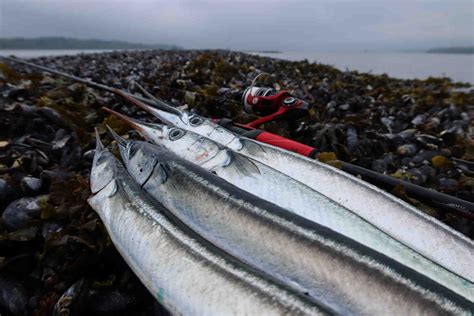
pixel 163 172
pixel 242 164
pixel 252 146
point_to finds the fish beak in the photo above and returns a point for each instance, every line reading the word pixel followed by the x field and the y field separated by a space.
pixel 150 131
pixel 98 143
pixel 165 112
pixel 99 147
pixel 102 171
pixel 121 142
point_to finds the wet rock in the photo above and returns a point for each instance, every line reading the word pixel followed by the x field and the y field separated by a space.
pixel 19 90
pixel 23 234
pixel 388 122
pixel 388 158
pixel 19 213
pixel 407 150
pixel 5 192
pixel 424 157
pixel 106 302
pixel 379 166
pixel 73 301
pixel 449 137
pixel 418 120
pixel 56 173
pixel 60 140
pixel 447 185
pixel 429 141
pixel 70 156
pixel 352 139
pixel 433 123
pixel 428 171
pixel 13 296
pixel 331 105
pixel 417 176
pixel 89 155
pixel 344 107
pixel 50 228
pixel 19 264
pixel 407 162
pixel 31 185
pixel 53 116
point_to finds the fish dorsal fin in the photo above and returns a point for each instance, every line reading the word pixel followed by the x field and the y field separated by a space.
pixel 242 164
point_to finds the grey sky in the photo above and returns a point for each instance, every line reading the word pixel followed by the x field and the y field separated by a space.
pixel 325 25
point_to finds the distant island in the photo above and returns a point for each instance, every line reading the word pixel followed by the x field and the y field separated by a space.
pixel 267 51
pixel 72 43
pixel 452 50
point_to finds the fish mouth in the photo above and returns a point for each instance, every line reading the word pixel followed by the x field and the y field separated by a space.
pixel 99 165
pixel 148 130
pixel 99 146
pixel 121 142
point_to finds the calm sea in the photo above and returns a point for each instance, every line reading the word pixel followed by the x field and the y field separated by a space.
pixel 399 65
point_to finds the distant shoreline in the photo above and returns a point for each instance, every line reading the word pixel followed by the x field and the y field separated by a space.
pixel 402 65
pixel 72 49
pixel 452 50
pixel 265 51
pixel 51 43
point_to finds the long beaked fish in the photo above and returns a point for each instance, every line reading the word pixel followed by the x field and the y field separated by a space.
pixel 314 260
pixel 278 188
pixel 412 227
pixel 187 274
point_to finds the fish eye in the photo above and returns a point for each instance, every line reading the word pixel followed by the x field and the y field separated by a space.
pixel 196 120
pixel 176 134
pixel 101 159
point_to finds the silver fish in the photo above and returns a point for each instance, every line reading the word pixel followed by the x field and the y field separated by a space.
pixel 185 273
pixel 410 226
pixel 278 188
pixel 328 267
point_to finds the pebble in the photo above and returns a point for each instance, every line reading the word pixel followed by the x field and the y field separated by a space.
pixel 448 185
pixel 344 107
pixel 379 165
pixel 89 155
pixel 5 191
pixel 407 150
pixel 19 213
pixel 31 185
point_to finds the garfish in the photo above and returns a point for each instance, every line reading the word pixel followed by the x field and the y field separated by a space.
pixel 329 268
pixel 278 188
pixel 185 273
pixel 400 220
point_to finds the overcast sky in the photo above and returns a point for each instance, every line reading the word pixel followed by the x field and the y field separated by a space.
pixel 311 25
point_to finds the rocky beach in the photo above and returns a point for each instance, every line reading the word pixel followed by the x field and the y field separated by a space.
pixel 55 255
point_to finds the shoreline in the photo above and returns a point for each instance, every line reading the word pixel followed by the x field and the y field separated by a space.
pixel 401 65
